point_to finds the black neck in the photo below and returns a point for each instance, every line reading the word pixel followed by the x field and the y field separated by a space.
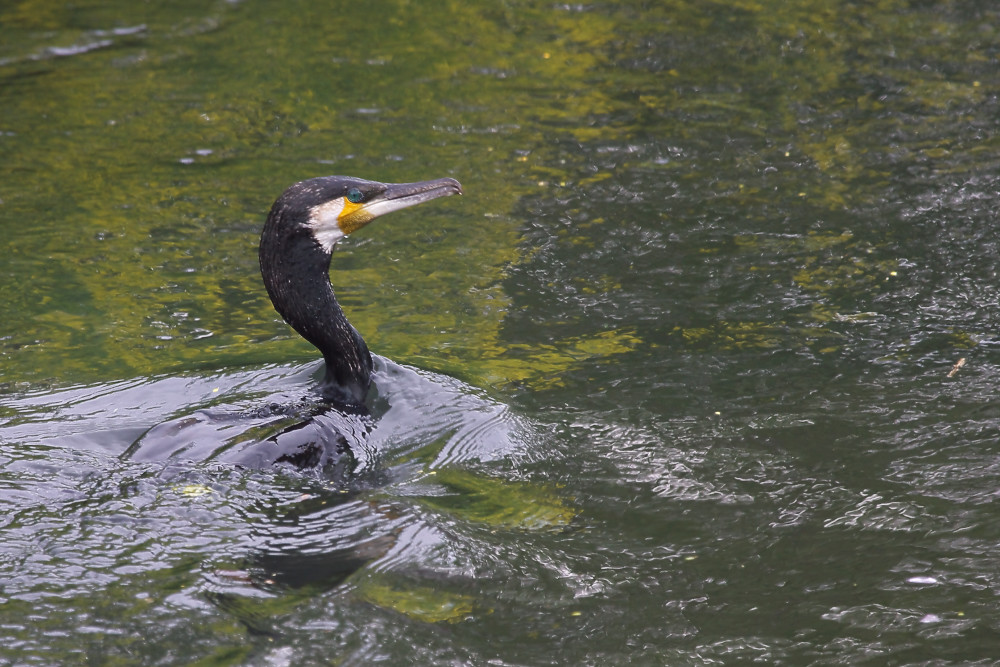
pixel 296 274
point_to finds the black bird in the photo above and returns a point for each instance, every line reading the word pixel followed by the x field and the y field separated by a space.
pixel 304 225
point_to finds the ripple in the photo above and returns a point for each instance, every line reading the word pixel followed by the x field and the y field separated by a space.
pixel 90 41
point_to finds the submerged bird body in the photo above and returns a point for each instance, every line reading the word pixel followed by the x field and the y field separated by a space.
pixel 302 229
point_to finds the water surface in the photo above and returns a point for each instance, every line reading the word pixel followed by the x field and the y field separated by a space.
pixel 700 369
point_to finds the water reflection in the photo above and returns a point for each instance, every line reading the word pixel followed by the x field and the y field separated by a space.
pixel 272 534
pixel 321 526
pixel 725 257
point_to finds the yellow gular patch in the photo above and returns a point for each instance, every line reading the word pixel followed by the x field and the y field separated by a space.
pixel 353 217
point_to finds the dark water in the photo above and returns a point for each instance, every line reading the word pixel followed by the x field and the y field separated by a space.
pixel 700 370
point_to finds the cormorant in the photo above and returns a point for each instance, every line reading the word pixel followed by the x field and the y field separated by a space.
pixel 304 225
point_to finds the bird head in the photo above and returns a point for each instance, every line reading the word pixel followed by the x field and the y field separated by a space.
pixel 331 207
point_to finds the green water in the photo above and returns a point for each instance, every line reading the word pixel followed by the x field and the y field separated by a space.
pixel 676 381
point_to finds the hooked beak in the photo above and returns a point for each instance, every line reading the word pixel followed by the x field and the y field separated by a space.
pixel 396 196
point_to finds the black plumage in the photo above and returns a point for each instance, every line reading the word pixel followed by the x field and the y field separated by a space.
pixel 296 244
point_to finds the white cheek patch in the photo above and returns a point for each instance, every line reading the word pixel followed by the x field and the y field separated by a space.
pixel 323 222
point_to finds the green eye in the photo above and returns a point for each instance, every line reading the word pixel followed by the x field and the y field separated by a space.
pixel 355 196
